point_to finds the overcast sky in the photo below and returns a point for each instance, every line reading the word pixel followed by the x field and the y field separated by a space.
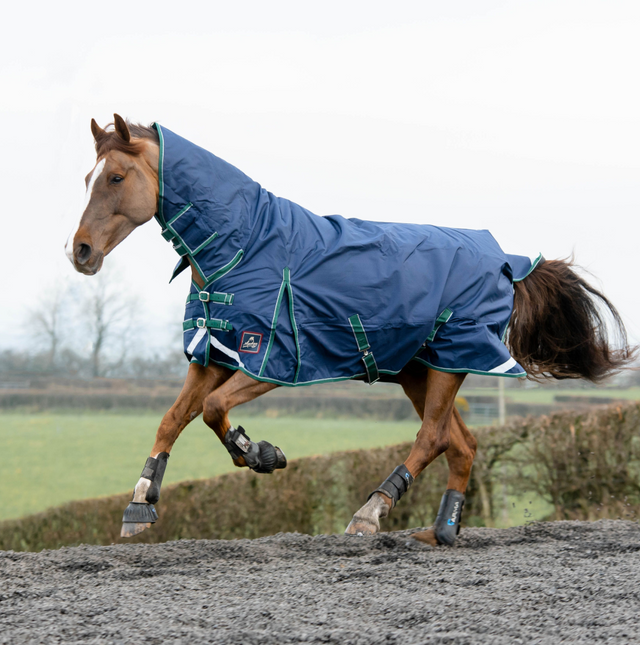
pixel 518 117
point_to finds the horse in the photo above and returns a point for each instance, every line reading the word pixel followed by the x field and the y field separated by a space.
pixel 416 305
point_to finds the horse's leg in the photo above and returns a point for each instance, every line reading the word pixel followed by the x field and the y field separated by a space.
pixel 433 439
pixel 200 381
pixel 460 454
pixel 261 457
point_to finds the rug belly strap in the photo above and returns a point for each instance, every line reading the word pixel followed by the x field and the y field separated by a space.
pixel 447 524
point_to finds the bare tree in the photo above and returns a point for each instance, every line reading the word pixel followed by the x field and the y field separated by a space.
pixel 47 320
pixel 109 313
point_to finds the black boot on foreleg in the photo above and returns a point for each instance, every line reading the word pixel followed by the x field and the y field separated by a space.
pixel 261 457
pixel 141 514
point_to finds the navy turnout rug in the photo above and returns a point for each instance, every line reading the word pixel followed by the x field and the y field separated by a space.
pixel 294 298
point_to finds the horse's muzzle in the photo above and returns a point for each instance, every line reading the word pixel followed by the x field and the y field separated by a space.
pixel 82 253
pixel 86 260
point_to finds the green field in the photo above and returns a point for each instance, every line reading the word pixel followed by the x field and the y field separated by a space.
pixel 51 458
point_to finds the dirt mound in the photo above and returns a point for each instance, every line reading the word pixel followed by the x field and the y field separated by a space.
pixel 570 582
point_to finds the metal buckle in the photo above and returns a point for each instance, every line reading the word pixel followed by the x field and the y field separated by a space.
pixel 201 323
pixel 203 296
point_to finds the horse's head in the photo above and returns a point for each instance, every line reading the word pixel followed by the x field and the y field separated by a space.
pixel 122 192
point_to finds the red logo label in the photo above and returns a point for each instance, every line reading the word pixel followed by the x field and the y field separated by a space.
pixel 250 342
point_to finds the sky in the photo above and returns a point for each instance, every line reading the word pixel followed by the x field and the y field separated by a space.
pixel 517 117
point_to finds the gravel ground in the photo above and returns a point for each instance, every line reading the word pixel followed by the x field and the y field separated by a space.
pixel 561 582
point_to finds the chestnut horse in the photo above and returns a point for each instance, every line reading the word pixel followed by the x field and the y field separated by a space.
pixel 556 330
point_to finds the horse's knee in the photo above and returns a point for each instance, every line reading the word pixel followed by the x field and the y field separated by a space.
pixel 427 448
pixel 442 444
pixel 214 409
pixel 433 447
pixel 463 454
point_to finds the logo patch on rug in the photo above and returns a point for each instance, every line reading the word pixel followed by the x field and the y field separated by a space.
pixel 250 342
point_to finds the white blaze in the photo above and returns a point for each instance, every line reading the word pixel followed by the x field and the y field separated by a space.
pixel 68 249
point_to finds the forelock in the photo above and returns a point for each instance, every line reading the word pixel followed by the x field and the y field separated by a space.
pixel 111 140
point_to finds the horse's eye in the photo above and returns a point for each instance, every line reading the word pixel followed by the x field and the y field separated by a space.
pixel 116 179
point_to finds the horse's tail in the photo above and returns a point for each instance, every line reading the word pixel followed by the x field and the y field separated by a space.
pixel 561 327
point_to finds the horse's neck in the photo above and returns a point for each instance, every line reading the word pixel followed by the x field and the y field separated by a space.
pixel 195 276
pixel 151 157
pixel 151 160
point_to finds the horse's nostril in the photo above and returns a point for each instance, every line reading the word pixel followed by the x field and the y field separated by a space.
pixel 83 253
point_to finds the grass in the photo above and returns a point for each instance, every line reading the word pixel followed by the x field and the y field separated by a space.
pixel 52 458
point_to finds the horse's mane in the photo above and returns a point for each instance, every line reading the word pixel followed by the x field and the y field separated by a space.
pixel 111 140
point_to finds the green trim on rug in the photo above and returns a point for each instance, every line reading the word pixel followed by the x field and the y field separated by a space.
pixel 466 371
pixel 294 326
pixel 274 322
pixel 534 264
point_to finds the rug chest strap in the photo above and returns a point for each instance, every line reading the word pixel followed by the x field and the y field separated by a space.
pixel 362 341
pixel 217 297
pixel 210 323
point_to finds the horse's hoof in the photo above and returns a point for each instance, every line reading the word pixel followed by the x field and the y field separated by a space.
pixel 129 529
pixel 140 512
pixel 428 537
pixel 281 459
pixel 137 517
pixel 361 527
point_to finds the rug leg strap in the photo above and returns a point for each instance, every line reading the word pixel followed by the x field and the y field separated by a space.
pixel 447 524
pixel 395 485
pixel 261 457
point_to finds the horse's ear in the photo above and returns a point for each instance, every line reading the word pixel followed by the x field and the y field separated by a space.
pixel 96 130
pixel 121 127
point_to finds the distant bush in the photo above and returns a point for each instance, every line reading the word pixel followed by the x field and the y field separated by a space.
pixel 585 464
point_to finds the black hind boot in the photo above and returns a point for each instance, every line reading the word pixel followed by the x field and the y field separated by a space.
pixel 447 524
pixel 261 457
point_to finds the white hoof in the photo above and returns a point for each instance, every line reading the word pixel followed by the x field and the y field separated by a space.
pixel 367 520
pixel 129 529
